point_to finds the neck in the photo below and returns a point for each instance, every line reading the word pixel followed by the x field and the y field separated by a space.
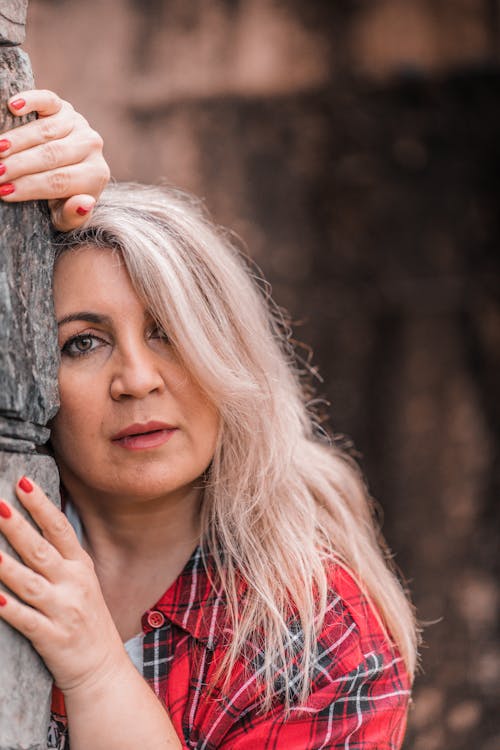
pixel 121 532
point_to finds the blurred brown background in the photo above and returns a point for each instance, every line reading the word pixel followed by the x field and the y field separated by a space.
pixel 355 148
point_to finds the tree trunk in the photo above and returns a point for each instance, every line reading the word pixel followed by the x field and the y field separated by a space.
pixel 28 392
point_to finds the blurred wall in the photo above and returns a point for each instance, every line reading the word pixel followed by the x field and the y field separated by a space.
pixel 354 147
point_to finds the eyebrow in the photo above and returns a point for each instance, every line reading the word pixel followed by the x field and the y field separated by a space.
pixel 91 317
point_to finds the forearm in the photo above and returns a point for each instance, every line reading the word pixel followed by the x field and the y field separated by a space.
pixel 120 712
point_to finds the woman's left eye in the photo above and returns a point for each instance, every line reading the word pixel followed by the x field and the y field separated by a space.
pixel 84 343
pixel 158 333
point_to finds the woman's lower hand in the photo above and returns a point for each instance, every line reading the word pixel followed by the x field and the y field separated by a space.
pixel 58 603
pixel 57 157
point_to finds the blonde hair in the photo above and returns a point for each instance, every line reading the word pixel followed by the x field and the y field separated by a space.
pixel 280 503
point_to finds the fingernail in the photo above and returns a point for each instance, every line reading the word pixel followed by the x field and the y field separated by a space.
pixel 1 558
pixel 25 484
pixel 5 511
pixel 7 189
pixel 83 211
pixel 18 103
pixel 5 144
pixel 3 169
pixel 3 600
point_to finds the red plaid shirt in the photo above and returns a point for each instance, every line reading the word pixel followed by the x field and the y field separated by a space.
pixel 359 693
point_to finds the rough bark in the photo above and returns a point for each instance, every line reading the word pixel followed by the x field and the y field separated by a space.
pixel 28 394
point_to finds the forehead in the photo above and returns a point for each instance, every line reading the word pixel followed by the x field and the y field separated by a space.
pixel 87 276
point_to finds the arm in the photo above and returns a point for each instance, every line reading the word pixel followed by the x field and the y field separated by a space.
pixel 61 610
pixel 57 157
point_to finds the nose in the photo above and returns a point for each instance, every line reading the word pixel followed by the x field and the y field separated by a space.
pixel 136 373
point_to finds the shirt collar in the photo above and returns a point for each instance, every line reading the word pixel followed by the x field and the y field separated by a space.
pixel 194 602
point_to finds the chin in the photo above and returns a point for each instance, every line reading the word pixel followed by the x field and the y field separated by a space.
pixel 144 482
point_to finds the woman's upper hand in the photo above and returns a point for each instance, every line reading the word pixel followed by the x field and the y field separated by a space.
pixel 58 603
pixel 57 157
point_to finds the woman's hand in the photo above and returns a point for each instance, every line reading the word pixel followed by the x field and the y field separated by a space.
pixel 60 607
pixel 57 157
pixel 62 611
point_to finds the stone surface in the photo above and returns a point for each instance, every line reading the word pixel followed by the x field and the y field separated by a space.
pixel 25 684
pixel 28 398
pixel 28 355
pixel 12 20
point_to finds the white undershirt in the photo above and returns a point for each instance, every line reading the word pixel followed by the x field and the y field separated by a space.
pixel 134 645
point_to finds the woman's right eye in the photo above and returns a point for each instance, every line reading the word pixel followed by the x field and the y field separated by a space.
pixel 84 343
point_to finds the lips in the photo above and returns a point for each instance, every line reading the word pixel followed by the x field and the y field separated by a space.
pixel 137 428
pixel 141 437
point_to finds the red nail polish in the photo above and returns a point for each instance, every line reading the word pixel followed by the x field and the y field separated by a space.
pixel 82 211
pixel 7 189
pixel 18 103
pixel 3 169
pixel 5 511
pixel 25 484
pixel 1 558
pixel 3 600
pixel 5 144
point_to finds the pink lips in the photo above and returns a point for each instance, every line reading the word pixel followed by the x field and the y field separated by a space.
pixel 142 436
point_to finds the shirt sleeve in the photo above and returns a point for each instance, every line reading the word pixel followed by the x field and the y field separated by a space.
pixel 359 692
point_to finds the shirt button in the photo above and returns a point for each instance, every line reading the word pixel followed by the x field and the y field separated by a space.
pixel 156 619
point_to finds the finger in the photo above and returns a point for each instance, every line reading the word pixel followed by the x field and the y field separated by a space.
pixel 39 131
pixel 35 100
pixel 29 544
pixel 71 213
pixel 25 619
pixel 62 152
pixel 87 178
pixel 31 587
pixel 57 531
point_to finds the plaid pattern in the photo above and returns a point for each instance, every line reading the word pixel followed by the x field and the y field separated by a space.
pixel 360 689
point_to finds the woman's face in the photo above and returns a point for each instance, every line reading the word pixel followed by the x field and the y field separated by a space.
pixel 132 422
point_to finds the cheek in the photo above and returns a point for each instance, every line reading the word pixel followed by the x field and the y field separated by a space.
pixel 208 428
pixel 201 419
pixel 76 419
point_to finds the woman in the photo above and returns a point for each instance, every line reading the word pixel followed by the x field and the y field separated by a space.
pixel 212 532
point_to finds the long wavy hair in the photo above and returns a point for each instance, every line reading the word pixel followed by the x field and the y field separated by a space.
pixel 281 502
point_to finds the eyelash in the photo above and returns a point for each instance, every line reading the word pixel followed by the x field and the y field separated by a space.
pixel 75 354
pixel 79 337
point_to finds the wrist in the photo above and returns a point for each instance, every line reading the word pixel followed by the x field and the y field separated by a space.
pixel 114 667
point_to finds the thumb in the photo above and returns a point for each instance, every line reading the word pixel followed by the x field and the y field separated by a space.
pixel 71 213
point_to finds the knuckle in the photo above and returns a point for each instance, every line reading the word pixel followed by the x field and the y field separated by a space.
pixel 52 99
pixel 75 616
pixel 40 551
pixel 103 177
pixel 67 106
pixel 59 182
pixel 48 129
pixel 59 526
pixel 33 587
pixel 83 591
pixel 96 140
pixel 30 623
pixel 51 154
